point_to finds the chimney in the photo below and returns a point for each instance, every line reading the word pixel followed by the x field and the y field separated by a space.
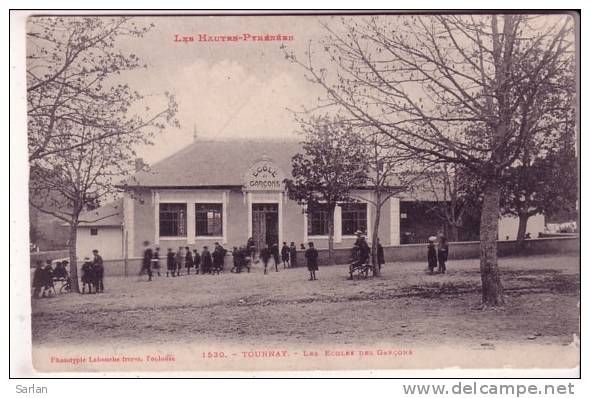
pixel 195 133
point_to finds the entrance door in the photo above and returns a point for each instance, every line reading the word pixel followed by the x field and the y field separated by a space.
pixel 265 224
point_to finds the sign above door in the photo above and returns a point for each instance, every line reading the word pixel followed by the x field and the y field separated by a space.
pixel 264 175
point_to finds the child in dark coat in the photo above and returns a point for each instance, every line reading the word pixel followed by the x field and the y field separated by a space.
pixel 265 255
pixel 293 255
pixel 206 260
pixel 432 262
pixel 197 261
pixel 311 255
pixel 170 263
pixel 443 254
pixel 285 255
pixel 188 260
pixel 88 277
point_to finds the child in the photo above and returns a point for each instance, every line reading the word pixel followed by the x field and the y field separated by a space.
pixel 206 260
pixel 245 258
pixel 188 260
pixel 197 261
pixel 236 260
pixel 293 255
pixel 38 279
pixel 265 256
pixel 443 254
pixel 218 258
pixel 276 256
pixel 179 260
pixel 432 263
pixel 156 261
pixel 87 275
pixel 170 263
pixel 311 255
pixel 285 255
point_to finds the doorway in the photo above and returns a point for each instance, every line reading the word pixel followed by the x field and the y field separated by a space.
pixel 265 224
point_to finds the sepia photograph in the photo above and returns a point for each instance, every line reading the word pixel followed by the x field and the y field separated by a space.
pixel 302 191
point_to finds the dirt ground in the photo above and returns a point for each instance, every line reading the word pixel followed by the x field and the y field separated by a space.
pixel 403 305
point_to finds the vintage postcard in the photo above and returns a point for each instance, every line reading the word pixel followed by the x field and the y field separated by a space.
pixel 303 192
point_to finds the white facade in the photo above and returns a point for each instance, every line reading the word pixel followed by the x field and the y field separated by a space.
pixel 108 240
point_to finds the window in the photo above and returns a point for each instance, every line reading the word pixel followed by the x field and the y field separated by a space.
pixel 172 219
pixel 317 222
pixel 93 231
pixel 354 218
pixel 209 219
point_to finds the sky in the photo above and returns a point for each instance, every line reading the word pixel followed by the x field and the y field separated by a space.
pixel 228 90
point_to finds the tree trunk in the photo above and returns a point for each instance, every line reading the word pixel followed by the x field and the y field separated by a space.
pixel 73 259
pixel 331 237
pixel 522 222
pixel 374 239
pixel 492 292
pixel 454 233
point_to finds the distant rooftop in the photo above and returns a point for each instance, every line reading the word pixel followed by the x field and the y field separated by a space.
pixel 215 163
pixel 108 215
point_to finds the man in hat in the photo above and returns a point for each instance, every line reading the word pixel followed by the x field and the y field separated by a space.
pixel 98 269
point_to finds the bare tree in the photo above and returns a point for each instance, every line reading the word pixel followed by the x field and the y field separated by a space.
pixel 69 182
pixel 390 173
pixel 454 89
pixel 83 122
pixel 330 167
pixel 74 82
pixel 451 194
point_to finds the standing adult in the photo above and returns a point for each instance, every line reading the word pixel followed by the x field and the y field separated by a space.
pixel 443 253
pixel 148 255
pixel 311 255
pixel 98 267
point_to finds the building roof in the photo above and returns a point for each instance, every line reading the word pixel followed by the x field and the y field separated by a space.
pixel 215 163
pixel 108 215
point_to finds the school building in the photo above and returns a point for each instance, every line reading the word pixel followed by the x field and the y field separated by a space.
pixel 214 191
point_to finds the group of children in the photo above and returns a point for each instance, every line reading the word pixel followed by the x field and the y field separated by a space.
pixel 93 274
pixel 184 258
pixel 287 255
pixel 208 262
pixel 45 276
pixel 437 256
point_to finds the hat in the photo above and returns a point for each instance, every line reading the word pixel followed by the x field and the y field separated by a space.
pixel 358 232
pixel 432 239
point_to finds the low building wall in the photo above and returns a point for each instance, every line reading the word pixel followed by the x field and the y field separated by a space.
pixel 47 255
pixel 416 252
